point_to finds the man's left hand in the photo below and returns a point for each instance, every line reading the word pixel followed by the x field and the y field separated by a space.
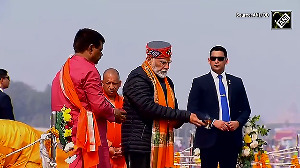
pixel 233 125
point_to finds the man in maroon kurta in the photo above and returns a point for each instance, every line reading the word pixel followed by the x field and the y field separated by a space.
pixel 88 45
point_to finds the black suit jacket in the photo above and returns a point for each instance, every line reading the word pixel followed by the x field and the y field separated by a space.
pixel 6 108
pixel 204 102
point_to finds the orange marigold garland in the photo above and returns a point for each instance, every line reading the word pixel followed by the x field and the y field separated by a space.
pixel 261 160
pixel 295 161
pixel 177 159
pixel 2 160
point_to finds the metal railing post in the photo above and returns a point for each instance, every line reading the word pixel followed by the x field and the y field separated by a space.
pixel 297 145
pixel 191 146
pixel 53 141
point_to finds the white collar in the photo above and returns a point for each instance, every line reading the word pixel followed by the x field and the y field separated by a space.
pixel 1 89
pixel 215 75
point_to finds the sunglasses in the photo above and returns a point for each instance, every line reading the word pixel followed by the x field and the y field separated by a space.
pixel 219 58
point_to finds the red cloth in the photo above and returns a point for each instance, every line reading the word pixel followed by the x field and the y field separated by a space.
pixel 114 136
pixel 87 82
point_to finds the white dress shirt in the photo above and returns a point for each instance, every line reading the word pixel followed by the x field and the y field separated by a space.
pixel 216 80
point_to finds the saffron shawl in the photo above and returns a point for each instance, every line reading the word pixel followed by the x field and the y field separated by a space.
pixel 162 141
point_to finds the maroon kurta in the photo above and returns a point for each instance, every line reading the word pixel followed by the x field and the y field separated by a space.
pixel 88 85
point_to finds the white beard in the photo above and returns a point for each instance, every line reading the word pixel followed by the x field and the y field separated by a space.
pixel 161 73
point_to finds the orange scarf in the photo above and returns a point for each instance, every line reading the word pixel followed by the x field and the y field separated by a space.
pixel 114 135
pixel 113 128
pixel 87 136
pixel 162 141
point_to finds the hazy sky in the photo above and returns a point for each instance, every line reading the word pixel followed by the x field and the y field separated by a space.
pixel 36 38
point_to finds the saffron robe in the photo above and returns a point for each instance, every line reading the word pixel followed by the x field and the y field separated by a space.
pixel 88 85
pixel 114 136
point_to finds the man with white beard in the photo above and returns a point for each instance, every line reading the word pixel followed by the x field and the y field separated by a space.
pixel 152 111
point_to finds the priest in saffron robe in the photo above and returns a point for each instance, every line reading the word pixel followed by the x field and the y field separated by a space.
pixel 78 86
pixel 111 84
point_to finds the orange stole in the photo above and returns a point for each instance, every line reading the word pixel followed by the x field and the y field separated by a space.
pixel 162 141
pixel 114 135
pixel 90 158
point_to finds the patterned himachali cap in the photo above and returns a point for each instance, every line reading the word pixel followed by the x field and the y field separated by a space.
pixel 158 49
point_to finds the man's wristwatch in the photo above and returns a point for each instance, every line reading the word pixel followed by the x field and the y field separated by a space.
pixel 212 123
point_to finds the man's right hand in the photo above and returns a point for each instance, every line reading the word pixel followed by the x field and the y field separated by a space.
pixel 195 120
pixel 120 115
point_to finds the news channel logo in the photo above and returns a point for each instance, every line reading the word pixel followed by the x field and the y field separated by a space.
pixel 281 19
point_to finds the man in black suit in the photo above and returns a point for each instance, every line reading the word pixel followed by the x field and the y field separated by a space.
pixel 6 108
pixel 222 98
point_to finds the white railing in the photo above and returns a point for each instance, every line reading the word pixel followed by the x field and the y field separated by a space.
pixel 279 158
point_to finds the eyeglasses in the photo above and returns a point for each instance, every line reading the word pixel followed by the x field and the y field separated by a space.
pixel 164 63
pixel 219 58
pixel 7 77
